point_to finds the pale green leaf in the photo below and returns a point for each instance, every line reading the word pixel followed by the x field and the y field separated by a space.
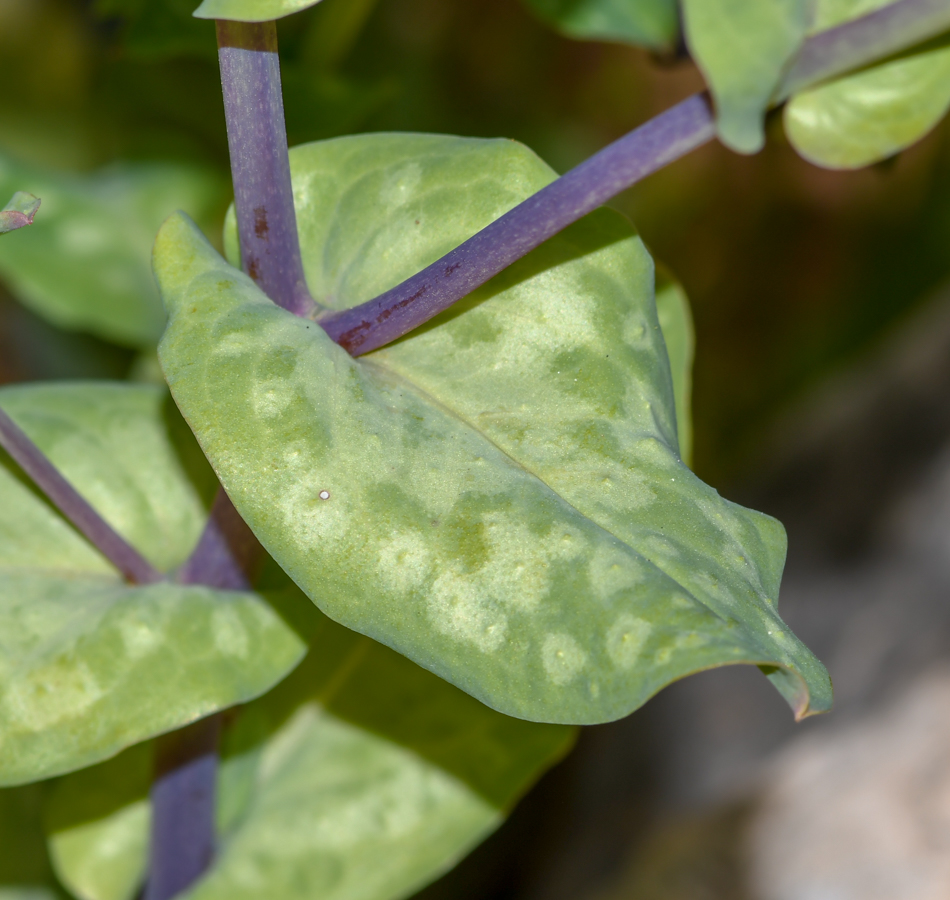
pixel 19 212
pixel 250 10
pixel 89 664
pixel 84 263
pixel 648 23
pixel 742 47
pixel 676 323
pixel 498 496
pixel 360 777
pixel 868 116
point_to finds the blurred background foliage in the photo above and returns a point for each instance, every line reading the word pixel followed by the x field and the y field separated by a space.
pixel 791 270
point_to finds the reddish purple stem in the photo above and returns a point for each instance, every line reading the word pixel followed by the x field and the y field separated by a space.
pixel 648 148
pixel 73 506
pixel 260 166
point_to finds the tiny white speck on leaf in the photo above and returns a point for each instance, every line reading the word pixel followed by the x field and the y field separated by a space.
pixel 324 495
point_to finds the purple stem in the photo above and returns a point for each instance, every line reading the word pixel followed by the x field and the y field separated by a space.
pixel 260 166
pixel 648 148
pixel 183 808
pixel 870 38
pixel 227 552
pixel 133 566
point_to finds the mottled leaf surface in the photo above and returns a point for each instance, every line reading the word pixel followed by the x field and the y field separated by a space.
pixel 872 114
pixel 251 10
pixel 742 47
pixel 360 777
pixel 676 323
pixel 84 263
pixel 88 663
pixel 647 23
pixel 19 212
pixel 499 496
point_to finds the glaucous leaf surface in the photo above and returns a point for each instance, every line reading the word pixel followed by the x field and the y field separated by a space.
pixel 676 323
pixel 250 10
pixel 84 264
pixel 742 48
pixel 360 777
pixel 25 872
pixel 872 114
pixel 498 496
pixel 18 212
pixel 647 23
pixel 88 663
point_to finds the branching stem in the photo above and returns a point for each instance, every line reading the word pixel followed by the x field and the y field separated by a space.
pixel 133 566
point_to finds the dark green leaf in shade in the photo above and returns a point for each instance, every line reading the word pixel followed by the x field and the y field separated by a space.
pixel 647 23
pixel 25 872
pixel 19 212
pixel 88 663
pixel 360 777
pixel 742 47
pixel 84 263
pixel 676 323
pixel 250 10
pixel 868 116
pixel 498 496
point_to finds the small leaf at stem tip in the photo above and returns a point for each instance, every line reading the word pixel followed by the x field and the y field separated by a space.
pixel 18 212
pixel 251 10
pixel 872 114
pixel 742 47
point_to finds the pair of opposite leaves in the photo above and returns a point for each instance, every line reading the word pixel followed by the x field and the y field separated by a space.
pixel 505 502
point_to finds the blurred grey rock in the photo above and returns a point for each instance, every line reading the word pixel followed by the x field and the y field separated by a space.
pixel 862 812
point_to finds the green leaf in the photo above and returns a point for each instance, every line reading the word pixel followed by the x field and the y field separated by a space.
pixel 676 323
pixel 89 664
pixel 18 212
pixel 648 23
pixel 868 116
pixel 498 496
pixel 250 10
pixel 360 777
pixel 25 872
pixel 84 264
pixel 742 47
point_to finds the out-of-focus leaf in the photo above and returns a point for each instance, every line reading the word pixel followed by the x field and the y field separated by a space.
pixel 89 664
pixel 250 10
pixel 18 212
pixel 498 496
pixel 97 821
pixel 84 264
pixel 873 114
pixel 676 323
pixel 648 23
pixel 154 29
pixel 25 872
pixel 361 777
pixel 742 47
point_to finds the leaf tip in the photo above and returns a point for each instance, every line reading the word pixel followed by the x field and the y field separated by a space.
pixel 19 212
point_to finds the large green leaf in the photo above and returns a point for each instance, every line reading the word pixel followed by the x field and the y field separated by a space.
pixel 89 664
pixel 250 10
pixel 498 496
pixel 868 116
pixel 360 777
pixel 742 47
pixel 25 872
pixel 649 23
pixel 84 263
